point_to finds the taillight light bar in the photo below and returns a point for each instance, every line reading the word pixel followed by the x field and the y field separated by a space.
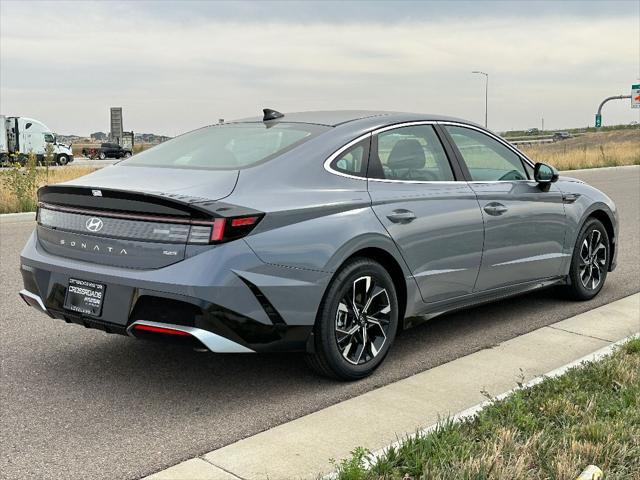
pixel 201 232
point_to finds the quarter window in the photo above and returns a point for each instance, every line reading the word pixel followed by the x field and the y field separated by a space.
pixel 410 154
pixel 486 158
pixel 353 161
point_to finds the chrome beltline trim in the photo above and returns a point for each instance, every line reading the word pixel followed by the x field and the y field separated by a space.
pixel 212 341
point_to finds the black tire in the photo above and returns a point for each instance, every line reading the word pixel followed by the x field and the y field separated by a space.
pixel 63 159
pixel 127 154
pixel 102 156
pixel 589 264
pixel 333 357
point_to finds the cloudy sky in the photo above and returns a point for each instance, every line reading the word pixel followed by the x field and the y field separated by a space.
pixel 176 66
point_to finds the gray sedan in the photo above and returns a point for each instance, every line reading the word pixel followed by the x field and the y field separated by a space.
pixel 316 232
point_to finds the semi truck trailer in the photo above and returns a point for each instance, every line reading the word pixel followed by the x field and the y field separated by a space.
pixel 20 136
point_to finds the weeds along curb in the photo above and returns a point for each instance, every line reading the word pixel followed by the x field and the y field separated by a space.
pixel 374 456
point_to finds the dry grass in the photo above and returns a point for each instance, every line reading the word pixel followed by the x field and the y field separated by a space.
pixel 606 149
pixel 10 204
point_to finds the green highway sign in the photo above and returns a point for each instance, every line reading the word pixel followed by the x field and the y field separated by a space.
pixel 598 120
pixel 635 96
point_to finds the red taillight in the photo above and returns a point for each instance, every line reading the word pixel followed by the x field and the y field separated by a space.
pixel 217 230
pixel 243 222
pixel 166 331
pixel 221 230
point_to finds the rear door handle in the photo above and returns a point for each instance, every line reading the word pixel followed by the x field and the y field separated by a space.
pixel 402 216
pixel 495 208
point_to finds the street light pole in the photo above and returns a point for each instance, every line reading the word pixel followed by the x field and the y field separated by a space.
pixel 486 94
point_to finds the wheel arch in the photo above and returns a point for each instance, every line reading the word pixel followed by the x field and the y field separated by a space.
pixel 391 265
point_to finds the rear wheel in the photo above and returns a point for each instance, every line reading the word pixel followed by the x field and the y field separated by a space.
pixel 357 322
pixel 102 156
pixel 590 261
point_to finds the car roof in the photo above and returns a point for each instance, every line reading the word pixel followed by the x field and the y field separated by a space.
pixel 334 118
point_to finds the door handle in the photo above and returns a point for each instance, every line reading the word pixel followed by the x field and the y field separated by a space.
pixel 495 208
pixel 402 216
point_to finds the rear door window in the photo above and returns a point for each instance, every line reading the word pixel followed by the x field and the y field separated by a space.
pixel 412 153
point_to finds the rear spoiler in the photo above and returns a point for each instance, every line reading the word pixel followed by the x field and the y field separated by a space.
pixel 148 203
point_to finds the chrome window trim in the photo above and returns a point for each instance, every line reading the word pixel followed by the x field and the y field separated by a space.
pixel 334 155
pixel 327 163
pixel 428 182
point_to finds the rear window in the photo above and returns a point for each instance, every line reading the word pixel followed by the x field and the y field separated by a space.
pixel 229 146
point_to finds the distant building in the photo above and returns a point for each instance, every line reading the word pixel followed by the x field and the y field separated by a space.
pixel 116 125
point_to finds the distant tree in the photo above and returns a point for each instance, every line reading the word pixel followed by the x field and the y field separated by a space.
pixel 99 136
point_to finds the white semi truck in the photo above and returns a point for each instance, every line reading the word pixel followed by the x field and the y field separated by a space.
pixel 21 135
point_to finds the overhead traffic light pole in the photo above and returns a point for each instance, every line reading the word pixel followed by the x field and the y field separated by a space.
pixel 599 113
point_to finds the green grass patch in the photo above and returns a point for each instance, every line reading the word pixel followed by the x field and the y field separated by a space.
pixel 553 430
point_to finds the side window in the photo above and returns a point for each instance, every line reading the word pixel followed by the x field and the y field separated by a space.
pixel 353 160
pixel 411 154
pixel 486 158
pixel 48 138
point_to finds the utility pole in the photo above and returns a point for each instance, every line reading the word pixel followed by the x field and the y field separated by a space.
pixel 486 94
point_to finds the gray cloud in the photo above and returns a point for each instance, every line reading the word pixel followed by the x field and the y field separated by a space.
pixel 175 67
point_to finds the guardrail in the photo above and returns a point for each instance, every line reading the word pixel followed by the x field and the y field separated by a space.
pixel 532 141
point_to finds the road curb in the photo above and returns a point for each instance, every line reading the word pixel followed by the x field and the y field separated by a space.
pixel 373 420
pixel 595 169
pixel 17 217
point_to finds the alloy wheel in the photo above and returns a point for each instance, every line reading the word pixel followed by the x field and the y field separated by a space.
pixel 362 321
pixel 593 260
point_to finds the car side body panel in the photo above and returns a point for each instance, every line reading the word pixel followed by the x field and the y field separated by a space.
pixel 526 241
pixel 443 245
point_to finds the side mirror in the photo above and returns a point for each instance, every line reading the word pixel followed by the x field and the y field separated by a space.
pixel 545 174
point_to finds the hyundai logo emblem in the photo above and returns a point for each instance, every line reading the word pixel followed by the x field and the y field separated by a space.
pixel 94 224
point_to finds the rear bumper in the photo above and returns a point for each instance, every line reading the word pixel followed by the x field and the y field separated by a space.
pixel 225 299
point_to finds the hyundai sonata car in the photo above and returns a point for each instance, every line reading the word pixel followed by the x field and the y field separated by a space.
pixel 314 232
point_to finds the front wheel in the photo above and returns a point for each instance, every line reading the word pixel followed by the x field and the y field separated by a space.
pixel 590 261
pixel 356 323
pixel 102 156
pixel 63 160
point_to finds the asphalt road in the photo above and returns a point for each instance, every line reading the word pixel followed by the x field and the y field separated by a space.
pixel 79 403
